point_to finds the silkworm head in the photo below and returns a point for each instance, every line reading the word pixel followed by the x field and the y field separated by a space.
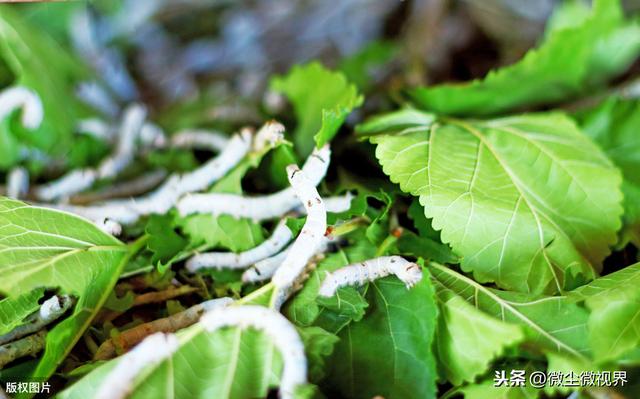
pixel 410 273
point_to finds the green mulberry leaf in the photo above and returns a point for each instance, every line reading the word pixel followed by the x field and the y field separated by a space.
pixel 528 201
pixel 572 58
pixel 321 99
pixel 47 248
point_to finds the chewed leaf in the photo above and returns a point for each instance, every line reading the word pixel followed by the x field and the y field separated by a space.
pixel 572 58
pixel 321 99
pixel 528 201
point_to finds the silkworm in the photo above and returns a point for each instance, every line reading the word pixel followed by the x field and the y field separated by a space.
pixel 266 268
pixel 49 311
pixel 17 183
pixel 109 226
pixel 280 237
pixel 150 135
pixel 200 139
pixel 164 197
pixel 173 323
pixel 132 122
pixel 118 383
pixel 257 208
pixel 79 180
pixel 21 97
pixel 335 204
pixel 281 332
pixel 309 239
pixel 357 274
pixel 93 94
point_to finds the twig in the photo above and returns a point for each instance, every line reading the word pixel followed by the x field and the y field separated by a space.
pixel 152 297
pixel 127 339
pixel 26 346
pixel 49 311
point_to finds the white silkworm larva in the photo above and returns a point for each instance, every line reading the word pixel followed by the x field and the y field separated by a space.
pixel 130 128
pixel 17 183
pixel 118 384
pixel 151 135
pixel 266 268
pixel 96 96
pixel 79 180
pixel 110 227
pixel 21 97
pixel 49 311
pixel 200 139
pixel 127 212
pixel 282 333
pixel 309 239
pixel 359 273
pixel 96 128
pixel 336 204
pixel 257 208
pixel 280 237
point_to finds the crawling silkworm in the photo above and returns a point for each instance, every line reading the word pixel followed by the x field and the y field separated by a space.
pixel 266 268
pixel 164 197
pixel 79 180
pixel 282 333
pixel 118 383
pixel 337 204
pixel 257 208
pixel 200 139
pixel 310 238
pixel 17 183
pixel 49 311
pixel 21 97
pixel 280 237
pixel 110 227
pixel 150 135
pixel 359 273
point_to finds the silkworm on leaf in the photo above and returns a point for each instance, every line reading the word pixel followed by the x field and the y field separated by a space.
pixel 310 238
pixel 49 311
pixel 280 237
pixel 17 183
pixel 118 383
pixel 80 180
pixel 360 273
pixel 17 97
pixel 266 268
pixel 262 207
pixel 282 333
pixel 199 139
pixel 164 197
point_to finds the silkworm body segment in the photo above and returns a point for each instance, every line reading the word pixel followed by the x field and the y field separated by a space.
pixel 360 273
